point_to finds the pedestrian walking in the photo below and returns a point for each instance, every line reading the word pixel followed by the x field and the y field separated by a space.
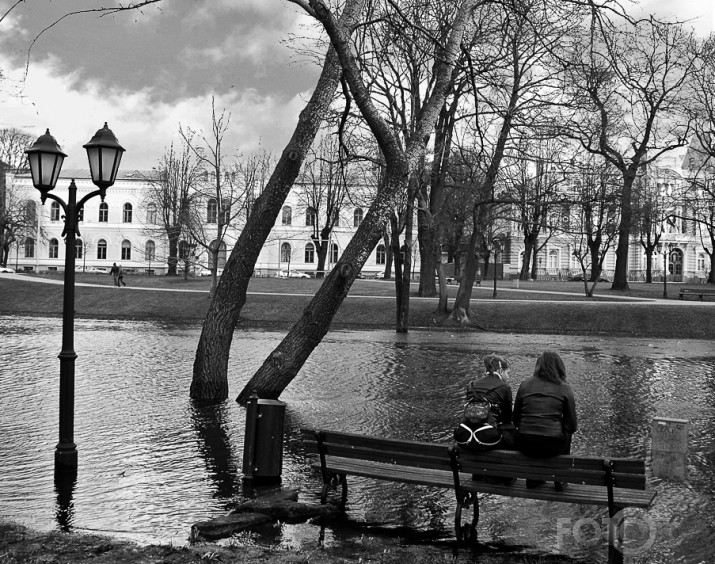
pixel 114 273
pixel 120 277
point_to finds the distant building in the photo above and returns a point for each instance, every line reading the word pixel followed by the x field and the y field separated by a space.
pixel 121 229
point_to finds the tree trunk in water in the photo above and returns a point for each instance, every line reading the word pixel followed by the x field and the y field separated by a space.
pixel 210 375
pixel 403 281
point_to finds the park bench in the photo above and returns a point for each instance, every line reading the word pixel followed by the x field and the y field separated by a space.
pixel 700 292
pixel 616 483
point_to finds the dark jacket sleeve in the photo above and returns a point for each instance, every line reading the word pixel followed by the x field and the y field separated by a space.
pixel 506 405
pixel 570 421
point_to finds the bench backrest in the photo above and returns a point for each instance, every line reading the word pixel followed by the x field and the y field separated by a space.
pixel 377 449
pixel 624 472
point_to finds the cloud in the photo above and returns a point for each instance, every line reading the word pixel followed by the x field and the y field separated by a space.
pixel 144 126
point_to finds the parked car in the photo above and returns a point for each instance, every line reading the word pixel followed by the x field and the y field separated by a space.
pixel 207 272
pixel 7 270
pixel 291 274
pixel 380 274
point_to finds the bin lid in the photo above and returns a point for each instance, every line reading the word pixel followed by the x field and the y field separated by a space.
pixel 271 402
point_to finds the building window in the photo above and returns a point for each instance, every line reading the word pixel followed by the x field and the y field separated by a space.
pixel 211 211
pixel 30 212
pixel 29 248
pixel 55 211
pixel 701 262
pixel 310 252
pixel 54 249
pixel 150 251
pixel 102 249
pixel 225 211
pixel 78 248
pixel 285 252
pixel 80 214
pixel 151 214
pixel 333 252
pixel 127 215
pixel 357 217
pixel 311 217
pixel 287 218
pixel 553 259
pixel 103 212
pixel 380 256
pixel 126 250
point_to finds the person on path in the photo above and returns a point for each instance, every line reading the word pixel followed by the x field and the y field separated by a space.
pixel 120 277
pixel 114 273
pixel 545 412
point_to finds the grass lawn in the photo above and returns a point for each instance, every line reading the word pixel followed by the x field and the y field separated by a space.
pixel 536 307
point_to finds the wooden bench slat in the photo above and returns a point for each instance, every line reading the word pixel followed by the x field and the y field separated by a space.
pixel 440 462
pixel 396 445
pixel 573 493
pixel 381 471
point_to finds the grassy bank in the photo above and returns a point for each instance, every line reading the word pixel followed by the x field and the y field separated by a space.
pixel 536 307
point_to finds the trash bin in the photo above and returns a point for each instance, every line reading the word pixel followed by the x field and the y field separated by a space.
pixel 263 443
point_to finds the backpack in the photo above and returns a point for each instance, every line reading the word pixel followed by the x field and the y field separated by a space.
pixel 478 429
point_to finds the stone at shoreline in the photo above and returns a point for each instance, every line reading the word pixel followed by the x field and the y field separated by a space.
pixel 280 506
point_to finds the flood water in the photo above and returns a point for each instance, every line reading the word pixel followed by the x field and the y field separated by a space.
pixel 151 463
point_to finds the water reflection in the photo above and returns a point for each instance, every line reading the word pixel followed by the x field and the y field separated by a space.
pixel 151 462
pixel 65 482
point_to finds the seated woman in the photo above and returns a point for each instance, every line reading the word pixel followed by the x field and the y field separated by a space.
pixel 487 416
pixel 545 412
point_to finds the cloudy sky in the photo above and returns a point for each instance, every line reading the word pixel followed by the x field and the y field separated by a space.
pixel 147 72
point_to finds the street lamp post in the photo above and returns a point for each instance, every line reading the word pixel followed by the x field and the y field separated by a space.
pixel 46 158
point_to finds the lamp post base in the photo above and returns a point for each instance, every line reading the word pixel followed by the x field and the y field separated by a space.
pixel 66 457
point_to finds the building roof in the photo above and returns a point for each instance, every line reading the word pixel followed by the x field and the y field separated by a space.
pixel 83 173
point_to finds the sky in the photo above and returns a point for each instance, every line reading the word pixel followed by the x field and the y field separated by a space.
pixel 146 73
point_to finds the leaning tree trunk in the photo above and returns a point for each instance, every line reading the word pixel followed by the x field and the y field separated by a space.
pixel 620 275
pixel 210 379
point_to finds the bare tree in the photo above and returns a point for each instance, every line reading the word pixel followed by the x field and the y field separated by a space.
pixel 627 90
pixel 171 191
pixel 13 216
pixel 218 198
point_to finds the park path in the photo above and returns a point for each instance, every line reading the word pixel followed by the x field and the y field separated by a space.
pixel 485 290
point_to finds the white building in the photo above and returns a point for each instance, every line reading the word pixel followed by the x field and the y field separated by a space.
pixel 121 229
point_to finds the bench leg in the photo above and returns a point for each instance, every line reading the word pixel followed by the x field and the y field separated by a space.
pixel 615 538
pixel 333 482
pixel 466 533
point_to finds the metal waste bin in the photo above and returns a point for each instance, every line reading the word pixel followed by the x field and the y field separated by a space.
pixel 263 443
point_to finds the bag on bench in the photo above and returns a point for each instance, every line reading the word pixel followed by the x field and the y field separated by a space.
pixel 478 430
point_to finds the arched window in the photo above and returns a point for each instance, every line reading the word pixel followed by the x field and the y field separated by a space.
pixel 127 213
pixel 55 211
pixel 333 252
pixel 287 216
pixel 78 248
pixel 701 262
pixel 211 211
pixel 150 250
pixel 221 254
pixel 184 250
pixel 311 217
pixel 225 211
pixel 553 259
pixel 380 255
pixel 151 214
pixel 357 217
pixel 29 248
pixel 54 249
pixel 103 212
pixel 126 250
pixel 285 252
pixel 102 249
pixel 310 252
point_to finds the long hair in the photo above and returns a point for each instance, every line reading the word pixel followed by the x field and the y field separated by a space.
pixel 550 367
